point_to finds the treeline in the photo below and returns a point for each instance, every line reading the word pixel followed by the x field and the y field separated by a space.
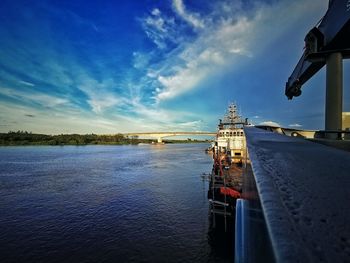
pixel 28 138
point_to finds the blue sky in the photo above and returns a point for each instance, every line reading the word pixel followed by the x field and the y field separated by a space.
pixel 128 66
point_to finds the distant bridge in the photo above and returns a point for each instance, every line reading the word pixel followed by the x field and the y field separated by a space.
pixel 161 135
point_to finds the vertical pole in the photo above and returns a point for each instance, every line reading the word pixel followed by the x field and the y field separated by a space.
pixel 334 93
pixel 225 201
pixel 212 204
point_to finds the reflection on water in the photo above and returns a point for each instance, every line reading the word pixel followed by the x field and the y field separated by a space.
pixel 107 204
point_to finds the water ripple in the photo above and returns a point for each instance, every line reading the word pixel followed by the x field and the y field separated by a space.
pixel 104 204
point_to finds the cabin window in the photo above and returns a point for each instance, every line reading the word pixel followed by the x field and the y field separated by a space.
pixel 234 133
pixel 241 133
pixel 231 134
pixel 237 154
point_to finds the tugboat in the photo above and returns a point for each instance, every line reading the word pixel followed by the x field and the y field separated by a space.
pixel 225 181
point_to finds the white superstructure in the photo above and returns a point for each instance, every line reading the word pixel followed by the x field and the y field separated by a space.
pixel 230 137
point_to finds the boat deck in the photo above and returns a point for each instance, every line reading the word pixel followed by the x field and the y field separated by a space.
pixel 234 178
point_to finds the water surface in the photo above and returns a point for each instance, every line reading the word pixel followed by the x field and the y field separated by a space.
pixel 106 204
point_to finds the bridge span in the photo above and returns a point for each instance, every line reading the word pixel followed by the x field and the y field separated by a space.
pixel 161 135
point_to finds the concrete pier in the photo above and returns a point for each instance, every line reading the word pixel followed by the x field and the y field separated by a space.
pixel 304 188
pixel 334 93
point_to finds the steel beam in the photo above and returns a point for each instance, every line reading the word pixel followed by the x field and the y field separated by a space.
pixel 331 35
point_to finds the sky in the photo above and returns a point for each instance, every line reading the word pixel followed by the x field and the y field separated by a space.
pixel 170 65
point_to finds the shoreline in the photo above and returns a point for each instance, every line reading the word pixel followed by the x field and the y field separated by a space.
pixel 105 144
pixel 23 138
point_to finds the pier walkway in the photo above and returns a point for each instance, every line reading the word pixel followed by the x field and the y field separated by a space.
pixel 304 191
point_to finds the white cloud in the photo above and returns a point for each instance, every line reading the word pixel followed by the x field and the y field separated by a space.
pixel 34 97
pixel 209 53
pixel 269 123
pixel 154 118
pixel 140 60
pixel 151 113
pixel 196 125
pixel 155 12
pixel 158 23
pixel 222 39
pixel 26 83
pixel 57 120
pixel 177 84
pixel 49 122
pixel 295 125
pixel 100 94
pixel 225 42
pixel 193 19
pixel 99 104
pixel 159 28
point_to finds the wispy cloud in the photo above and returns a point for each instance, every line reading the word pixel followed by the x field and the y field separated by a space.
pixel 184 80
pixel 100 95
pixel 48 72
pixel 192 18
pixel 160 28
pixel 99 104
pixel 196 125
pixel 34 97
pixel 56 121
pixel 140 60
pixel 269 123
pixel 26 83
pixel 295 125
pixel 164 119
pixel 223 42
pixel 213 49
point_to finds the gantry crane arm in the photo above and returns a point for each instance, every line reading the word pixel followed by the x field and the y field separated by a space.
pixel 331 35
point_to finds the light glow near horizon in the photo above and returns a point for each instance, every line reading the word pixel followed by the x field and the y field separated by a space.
pixel 137 66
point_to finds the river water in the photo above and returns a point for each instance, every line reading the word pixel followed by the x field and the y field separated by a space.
pixel 107 204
